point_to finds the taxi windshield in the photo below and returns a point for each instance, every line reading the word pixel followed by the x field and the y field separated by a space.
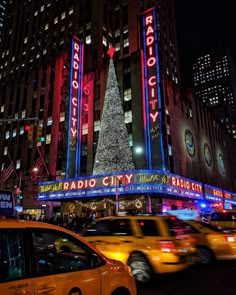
pixel 176 226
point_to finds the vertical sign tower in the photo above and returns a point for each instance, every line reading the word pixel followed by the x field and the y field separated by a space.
pixel 152 106
pixel 74 117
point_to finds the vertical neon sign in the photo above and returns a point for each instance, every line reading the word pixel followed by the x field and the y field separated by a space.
pixel 151 91
pixel 74 117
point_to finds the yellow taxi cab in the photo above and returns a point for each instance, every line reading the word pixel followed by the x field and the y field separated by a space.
pixel 225 219
pixel 148 244
pixel 31 262
pixel 212 242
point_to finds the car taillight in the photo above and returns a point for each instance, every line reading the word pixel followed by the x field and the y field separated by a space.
pixel 167 246
pixel 192 240
pixel 230 239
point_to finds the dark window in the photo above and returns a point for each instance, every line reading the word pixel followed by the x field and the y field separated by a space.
pixel 12 258
pixel 57 252
pixel 189 229
pixel 118 227
pixel 175 226
pixel 148 227
pixel 224 216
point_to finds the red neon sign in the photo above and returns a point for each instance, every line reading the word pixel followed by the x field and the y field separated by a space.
pixel 186 184
pixel 151 64
pixel 92 182
pixel 74 89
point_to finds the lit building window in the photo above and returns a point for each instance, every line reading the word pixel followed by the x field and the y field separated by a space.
pixel 48 138
pixel 5 151
pixel 18 164
pixel 7 134
pixel 127 94
pixel 104 41
pixel 49 121
pixel 97 126
pixel 126 42
pixel 42 8
pixel 25 40
pixel 63 15
pixel 14 133
pixel 36 13
pixel 22 130
pixel 46 27
pixel 169 150
pixel 85 128
pixel 62 117
pixel 128 117
pixel 55 20
pixel 88 39
pixel 131 139
pixel 71 10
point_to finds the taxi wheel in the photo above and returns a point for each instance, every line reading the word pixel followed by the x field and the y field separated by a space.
pixel 205 255
pixel 140 268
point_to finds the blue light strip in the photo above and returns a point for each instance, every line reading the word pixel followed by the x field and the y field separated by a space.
pixel 70 108
pixel 147 130
pixel 159 92
pixel 78 135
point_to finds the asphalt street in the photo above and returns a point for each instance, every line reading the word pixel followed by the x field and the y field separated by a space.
pixel 216 279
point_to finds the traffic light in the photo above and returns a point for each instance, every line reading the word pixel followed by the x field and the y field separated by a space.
pixel 30 130
pixel 39 136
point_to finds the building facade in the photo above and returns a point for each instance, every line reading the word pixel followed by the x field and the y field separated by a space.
pixel 169 131
pixel 214 81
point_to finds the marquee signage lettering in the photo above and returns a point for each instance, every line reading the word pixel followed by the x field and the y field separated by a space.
pixel 75 101
pixel 185 184
pixel 151 91
pixel 135 181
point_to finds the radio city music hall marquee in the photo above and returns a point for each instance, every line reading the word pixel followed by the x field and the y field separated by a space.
pixel 74 118
pixel 152 110
pixel 133 182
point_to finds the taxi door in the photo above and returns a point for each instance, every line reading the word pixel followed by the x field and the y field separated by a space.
pixel 86 282
pixel 14 278
pixel 120 240
pixel 63 264
pixel 25 287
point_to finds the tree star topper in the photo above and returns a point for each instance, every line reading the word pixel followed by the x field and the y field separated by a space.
pixel 111 51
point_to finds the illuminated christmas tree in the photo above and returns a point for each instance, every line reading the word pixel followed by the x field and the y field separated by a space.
pixel 113 152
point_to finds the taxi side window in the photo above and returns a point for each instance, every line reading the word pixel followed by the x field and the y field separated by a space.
pixel 148 227
pixel 56 252
pixel 121 227
pixel 216 217
pixel 12 259
pixel 118 227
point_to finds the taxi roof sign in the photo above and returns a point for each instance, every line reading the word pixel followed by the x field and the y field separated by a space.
pixel 7 203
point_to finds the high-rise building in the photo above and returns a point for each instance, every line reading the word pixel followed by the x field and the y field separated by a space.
pixel 53 75
pixel 3 6
pixel 214 78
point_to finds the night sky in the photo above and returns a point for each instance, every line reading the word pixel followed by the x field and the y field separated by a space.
pixel 201 22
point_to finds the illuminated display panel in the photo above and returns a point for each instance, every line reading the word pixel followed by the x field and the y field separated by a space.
pixel 74 118
pixel 152 113
pixel 130 182
pixel 213 193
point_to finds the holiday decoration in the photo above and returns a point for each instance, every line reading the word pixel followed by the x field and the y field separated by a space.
pixel 113 152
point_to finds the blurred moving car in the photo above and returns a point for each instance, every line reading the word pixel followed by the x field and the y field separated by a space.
pixel 225 219
pixel 32 262
pixel 148 244
pixel 212 242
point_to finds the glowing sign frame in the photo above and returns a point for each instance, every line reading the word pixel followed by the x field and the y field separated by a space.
pixel 152 105
pixel 130 182
pixel 75 101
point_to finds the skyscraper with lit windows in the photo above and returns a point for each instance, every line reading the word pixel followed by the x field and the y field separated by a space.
pixel 36 89
pixel 215 84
